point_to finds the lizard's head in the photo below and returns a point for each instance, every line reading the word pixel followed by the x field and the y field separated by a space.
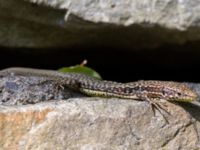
pixel 179 92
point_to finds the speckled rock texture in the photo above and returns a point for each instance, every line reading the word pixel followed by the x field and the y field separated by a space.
pixel 35 113
pixel 19 90
pixel 117 24
pixel 179 14
pixel 95 123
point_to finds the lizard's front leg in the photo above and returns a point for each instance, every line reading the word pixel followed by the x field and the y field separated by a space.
pixel 156 105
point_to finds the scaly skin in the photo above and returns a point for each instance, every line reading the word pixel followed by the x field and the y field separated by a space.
pixel 139 90
pixel 151 91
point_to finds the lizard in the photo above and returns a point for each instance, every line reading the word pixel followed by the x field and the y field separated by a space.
pixel 145 90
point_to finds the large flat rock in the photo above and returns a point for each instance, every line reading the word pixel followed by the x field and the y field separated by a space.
pixel 177 14
pixel 95 123
pixel 38 113
pixel 117 24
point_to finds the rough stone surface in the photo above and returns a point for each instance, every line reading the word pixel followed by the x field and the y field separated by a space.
pixel 89 123
pixel 179 14
pixel 95 123
pixel 117 24
pixel 20 90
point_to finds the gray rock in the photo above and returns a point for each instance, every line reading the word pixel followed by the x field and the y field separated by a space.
pixel 20 90
pixel 116 24
pixel 58 121
pixel 177 14
pixel 95 123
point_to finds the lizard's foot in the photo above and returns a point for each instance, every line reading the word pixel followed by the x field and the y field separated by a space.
pixel 159 107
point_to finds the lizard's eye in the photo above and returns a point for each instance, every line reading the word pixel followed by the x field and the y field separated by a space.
pixel 179 94
pixel 163 92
